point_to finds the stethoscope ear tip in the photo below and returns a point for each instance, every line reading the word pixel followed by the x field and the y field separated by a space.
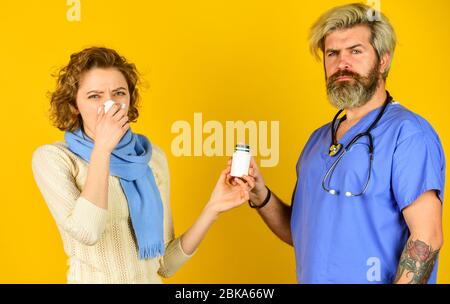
pixel 334 192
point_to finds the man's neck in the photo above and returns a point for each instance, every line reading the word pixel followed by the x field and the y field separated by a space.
pixel 377 100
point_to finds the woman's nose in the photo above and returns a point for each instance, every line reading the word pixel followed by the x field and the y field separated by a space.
pixel 107 96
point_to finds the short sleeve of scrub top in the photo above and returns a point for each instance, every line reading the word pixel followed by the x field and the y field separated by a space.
pixel 417 168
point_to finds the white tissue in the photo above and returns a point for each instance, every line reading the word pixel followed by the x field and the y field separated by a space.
pixel 109 103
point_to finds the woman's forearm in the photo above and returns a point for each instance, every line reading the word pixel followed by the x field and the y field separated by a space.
pixel 96 186
pixel 192 238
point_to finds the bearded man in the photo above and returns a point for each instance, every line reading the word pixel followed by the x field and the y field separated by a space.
pixel 367 205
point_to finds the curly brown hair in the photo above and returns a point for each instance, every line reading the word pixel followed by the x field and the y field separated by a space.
pixel 64 113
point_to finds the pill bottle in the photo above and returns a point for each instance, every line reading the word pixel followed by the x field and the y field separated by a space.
pixel 241 160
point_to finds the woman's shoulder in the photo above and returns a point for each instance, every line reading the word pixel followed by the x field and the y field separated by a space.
pixel 157 152
pixel 159 157
pixel 56 154
pixel 58 148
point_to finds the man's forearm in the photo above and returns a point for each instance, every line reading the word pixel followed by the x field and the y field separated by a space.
pixel 277 216
pixel 416 262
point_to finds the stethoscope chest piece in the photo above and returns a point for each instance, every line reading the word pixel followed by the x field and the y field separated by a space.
pixel 334 149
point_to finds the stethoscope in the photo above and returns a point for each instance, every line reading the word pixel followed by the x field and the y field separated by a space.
pixel 335 147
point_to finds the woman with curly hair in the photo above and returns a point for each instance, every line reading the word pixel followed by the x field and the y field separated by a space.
pixel 107 187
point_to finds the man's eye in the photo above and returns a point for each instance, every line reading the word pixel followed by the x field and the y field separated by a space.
pixel 331 54
pixel 356 52
pixel 93 96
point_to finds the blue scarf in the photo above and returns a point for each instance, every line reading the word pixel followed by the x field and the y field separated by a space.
pixel 129 162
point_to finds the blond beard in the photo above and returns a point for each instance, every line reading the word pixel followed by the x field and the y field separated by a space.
pixel 354 93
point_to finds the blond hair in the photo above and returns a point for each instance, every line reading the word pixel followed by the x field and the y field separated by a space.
pixel 383 37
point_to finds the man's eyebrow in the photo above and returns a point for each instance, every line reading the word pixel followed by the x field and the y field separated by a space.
pixel 330 50
pixel 349 48
pixel 355 46
pixel 119 88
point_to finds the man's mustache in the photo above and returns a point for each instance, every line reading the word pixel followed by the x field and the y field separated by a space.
pixel 341 73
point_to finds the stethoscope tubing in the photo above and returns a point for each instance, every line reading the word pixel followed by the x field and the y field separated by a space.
pixel 347 148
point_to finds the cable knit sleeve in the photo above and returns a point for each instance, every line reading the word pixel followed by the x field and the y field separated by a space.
pixel 54 174
pixel 174 256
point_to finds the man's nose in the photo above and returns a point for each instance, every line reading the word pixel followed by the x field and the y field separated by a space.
pixel 343 63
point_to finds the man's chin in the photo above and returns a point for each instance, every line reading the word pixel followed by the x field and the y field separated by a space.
pixel 344 83
pixel 346 101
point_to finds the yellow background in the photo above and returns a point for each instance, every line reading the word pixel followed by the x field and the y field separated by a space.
pixel 230 60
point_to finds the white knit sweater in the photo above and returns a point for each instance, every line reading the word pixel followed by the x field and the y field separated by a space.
pixel 100 244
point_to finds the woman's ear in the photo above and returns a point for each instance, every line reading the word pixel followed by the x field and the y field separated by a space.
pixel 74 109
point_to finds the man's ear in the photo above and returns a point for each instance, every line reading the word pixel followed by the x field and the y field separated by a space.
pixel 384 62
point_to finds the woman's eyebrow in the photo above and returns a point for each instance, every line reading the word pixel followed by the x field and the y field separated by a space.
pixel 94 91
pixel 120 88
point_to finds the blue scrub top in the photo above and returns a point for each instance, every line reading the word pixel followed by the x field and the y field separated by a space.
pixel 339 239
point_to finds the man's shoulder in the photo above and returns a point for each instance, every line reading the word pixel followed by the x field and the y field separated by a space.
pixel 408 123
pixel 321 130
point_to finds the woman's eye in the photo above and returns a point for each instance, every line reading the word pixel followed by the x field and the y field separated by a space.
pixel 93 96
pixel 121 93
pixel 331 54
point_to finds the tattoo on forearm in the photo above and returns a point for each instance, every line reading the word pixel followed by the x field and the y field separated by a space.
pixel 417 262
